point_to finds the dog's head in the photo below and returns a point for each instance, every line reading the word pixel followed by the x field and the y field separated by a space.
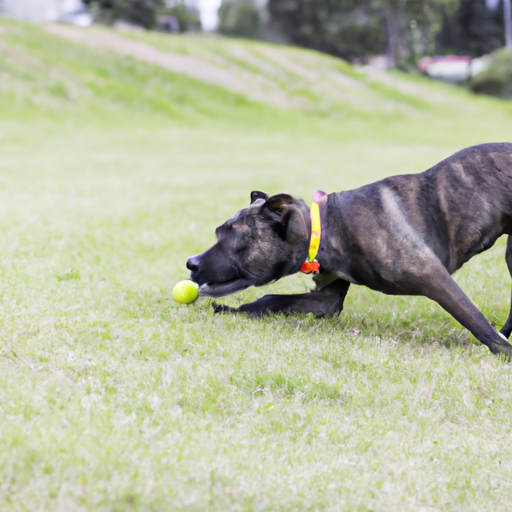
pixel 260 244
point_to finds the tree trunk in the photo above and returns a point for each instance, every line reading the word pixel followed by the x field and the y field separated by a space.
pixel 507 15
pixel 392 35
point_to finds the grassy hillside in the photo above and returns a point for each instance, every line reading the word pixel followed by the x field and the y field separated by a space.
pixel 113 397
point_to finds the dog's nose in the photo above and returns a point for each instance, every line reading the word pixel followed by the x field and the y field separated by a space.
pixel 193 263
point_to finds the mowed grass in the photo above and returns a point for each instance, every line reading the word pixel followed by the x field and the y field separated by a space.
pixel 115 398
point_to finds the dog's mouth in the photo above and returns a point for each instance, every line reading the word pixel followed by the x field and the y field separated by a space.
pixel 216 290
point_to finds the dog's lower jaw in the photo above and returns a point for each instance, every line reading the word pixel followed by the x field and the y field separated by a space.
pixel 216 290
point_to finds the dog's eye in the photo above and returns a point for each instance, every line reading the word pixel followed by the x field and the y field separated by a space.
pixel 223 230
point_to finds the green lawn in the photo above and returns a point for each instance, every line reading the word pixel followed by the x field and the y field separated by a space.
pixel 115 398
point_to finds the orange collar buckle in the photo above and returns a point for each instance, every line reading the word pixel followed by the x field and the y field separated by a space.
pixel 310 267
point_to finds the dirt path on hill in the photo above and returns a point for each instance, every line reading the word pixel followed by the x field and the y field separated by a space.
pixel 191 66
pixel 278 77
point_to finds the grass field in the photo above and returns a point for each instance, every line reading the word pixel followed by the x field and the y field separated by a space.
pixel 115 398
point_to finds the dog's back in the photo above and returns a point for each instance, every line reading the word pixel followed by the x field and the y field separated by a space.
pixel 456 209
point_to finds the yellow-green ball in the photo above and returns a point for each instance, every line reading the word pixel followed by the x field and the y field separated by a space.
pixel 185 292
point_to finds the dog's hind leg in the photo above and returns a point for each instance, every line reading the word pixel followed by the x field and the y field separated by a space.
pixel 327 301
pixel 507 328
pixel 440 287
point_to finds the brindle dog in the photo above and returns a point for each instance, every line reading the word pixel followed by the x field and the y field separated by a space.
pixel 404 235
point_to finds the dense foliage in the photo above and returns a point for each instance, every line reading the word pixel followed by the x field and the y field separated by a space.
pixel 143 12
pixel 139 12
pixel 240 18
pixel 344 27
pixel 497 78
pixel 404 30
pixel 472 30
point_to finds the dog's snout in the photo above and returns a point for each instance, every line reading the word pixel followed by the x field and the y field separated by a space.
pixel 193 263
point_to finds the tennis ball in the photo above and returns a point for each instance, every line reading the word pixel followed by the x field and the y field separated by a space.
pixel 185 292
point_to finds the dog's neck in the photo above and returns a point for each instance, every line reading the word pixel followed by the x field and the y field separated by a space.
pixel 311 265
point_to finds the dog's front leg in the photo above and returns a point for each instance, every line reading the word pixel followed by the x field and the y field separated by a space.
pixel 439 286
pixel 327 301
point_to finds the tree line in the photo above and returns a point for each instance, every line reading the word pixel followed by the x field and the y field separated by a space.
pixel 403 30
pixel 144 13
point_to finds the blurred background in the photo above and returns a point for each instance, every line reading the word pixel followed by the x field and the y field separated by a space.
pixel 453 40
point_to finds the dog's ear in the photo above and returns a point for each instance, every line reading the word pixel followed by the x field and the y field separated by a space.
pixel 256 194
pixel 289 216
pixel 277 203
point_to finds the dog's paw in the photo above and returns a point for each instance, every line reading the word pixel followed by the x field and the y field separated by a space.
pixel 221 308
pixel 503 351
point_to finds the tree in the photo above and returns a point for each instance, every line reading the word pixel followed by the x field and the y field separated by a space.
pixel 347 28
pixel 186 18
pixel 389 8
pixel 507 17
pixel 240 18
pixel 412 27
pixel 403 30
pixel 138 12
pixel 472 30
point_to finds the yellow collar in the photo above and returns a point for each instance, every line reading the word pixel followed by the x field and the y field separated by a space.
pixel 311 266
